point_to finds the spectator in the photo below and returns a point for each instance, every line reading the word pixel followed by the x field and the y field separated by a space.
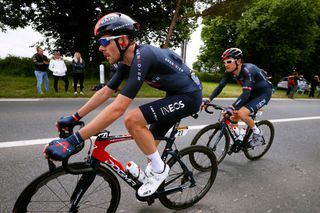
pixel 293 83
pixel 314 86
pixel 59 70
pixel 78 72
pixel 41 62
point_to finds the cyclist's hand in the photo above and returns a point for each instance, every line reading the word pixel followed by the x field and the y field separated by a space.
pixel 204 104
pixel 62 148
pixel 64 122
pixel 229 111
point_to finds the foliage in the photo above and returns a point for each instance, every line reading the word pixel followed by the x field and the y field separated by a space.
pixel 209 77
pixel 277 35
pixel 16 66
pixel 68 25
pixel 217 35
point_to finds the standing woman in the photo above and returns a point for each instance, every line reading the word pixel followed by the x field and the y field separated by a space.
pixel 78 72
pixel 59 70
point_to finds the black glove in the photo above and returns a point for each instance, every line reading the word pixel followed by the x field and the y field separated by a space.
pixel 63 148
pixel 229 111
pixel 66 121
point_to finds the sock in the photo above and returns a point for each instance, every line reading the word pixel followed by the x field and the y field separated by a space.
pixel 157 163
pixel 255 130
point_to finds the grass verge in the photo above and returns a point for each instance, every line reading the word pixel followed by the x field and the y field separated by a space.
pixel 25 87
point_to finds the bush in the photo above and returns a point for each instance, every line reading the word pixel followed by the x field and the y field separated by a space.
pixel 16 66
pixel 209 77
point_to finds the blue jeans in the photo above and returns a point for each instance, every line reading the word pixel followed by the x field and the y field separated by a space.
pixel 40 77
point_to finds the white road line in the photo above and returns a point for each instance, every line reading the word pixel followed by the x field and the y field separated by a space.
pixel 47 140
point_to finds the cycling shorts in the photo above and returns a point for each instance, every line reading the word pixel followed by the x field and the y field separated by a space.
pixel 164 113
pixel 257 102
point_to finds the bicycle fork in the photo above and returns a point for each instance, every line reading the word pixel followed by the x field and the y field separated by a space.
pixel 82 186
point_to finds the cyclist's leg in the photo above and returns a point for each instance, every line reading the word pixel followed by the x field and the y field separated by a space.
pixel 169 109
pixel 251 107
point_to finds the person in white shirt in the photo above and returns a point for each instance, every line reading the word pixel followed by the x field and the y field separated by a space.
pixel 59 70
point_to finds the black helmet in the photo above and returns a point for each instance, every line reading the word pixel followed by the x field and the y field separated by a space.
pixel 232 53
pixel 116 24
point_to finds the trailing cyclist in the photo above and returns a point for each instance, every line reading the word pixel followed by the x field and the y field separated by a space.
pixel 160 68
pixel 256 90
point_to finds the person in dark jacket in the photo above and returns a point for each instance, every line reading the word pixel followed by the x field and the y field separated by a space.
pixel 41 64
pixel 78 72
pixel 314 85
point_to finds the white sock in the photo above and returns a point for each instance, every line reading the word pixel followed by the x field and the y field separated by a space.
pixel 255 130
pixel 157 163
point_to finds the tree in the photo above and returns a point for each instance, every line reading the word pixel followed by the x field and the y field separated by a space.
pixel 279 35
pixel 68 25
pixel 276 35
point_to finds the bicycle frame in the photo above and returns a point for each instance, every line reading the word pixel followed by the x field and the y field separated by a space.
pixel 100 155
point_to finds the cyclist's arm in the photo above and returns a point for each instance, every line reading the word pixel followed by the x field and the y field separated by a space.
pixel 103 94
pixel 106 117
pixel 96 100
pixel 220 87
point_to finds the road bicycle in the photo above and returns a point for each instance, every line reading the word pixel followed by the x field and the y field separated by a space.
pixel 92 185
pixel 222 139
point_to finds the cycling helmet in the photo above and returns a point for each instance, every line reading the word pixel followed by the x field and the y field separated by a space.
pixel 235 53
pixel 116 24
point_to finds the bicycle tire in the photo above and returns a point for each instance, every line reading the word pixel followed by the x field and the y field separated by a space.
pixel 210 131
pixel 178 177
pixel 51 192
pixel 257 152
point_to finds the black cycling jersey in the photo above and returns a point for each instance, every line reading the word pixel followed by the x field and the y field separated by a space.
pixel 160 68
pixel 253 81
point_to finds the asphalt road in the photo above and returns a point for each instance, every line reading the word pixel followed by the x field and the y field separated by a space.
pixel 286 179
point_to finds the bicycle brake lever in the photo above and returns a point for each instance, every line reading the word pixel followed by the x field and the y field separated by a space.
pixel 51 165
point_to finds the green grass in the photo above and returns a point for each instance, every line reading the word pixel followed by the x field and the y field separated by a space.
pixel 25 87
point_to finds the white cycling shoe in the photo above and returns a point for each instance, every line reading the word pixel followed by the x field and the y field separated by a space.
pixel 257 139
pixel 152 181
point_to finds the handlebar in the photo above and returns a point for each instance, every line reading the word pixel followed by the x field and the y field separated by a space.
pixel 215 106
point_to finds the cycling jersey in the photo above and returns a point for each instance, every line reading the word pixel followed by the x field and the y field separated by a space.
pixel 160 68
pixel 255 87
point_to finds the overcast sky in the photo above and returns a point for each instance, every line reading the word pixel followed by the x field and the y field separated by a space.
pixel 17 42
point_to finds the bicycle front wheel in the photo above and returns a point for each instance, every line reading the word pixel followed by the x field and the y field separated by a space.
pixel 52 191
pixel 191 192
pixel 211 137
pixel 254 153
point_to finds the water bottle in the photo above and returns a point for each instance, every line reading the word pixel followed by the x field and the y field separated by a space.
pixel 236 131
pixel 135 171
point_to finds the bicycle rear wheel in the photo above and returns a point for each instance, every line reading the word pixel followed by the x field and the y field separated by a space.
pixel 51 192
pixel 254 153
pixel 210 136
pixel 191 193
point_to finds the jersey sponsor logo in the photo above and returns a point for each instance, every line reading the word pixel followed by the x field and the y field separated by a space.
pixel 154 113
pixel 261 104
pixel 172 107
pixel 173 64
pixel 139 64
pixel 247 88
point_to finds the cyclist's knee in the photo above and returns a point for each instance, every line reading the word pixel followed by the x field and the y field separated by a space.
pixel 243 112
pixel 134 119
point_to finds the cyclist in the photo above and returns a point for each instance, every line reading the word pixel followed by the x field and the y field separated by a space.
pixel 256 90
pixel 160 68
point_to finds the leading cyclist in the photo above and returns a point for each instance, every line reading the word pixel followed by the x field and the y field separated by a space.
pixel 256 90
pixel 160 68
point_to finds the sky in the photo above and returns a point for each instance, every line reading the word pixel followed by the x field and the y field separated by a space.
pixel 18 43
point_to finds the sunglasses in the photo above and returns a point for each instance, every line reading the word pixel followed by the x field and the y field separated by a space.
pixel 229 61
pixel 107 40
